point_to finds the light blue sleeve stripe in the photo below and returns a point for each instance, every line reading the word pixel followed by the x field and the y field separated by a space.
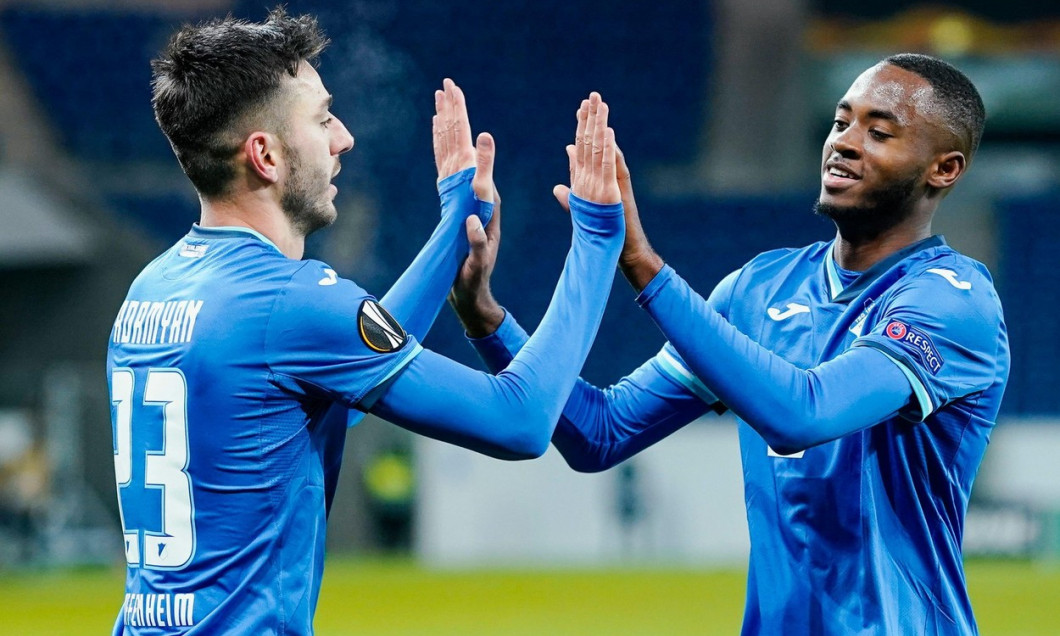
pixel 922 396
pixel 676 370
pixel 409 355
pixel 355 417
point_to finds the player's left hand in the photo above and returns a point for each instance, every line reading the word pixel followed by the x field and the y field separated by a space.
pixel 453 150
pixel 471 297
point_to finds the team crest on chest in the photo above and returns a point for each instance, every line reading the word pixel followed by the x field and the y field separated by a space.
pixel 379 330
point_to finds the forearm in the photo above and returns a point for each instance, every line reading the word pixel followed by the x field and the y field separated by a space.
pixel 513 414
pixel 791 408
pixel 444 400
pixel 417 296
pixel 600 428
pixel 604 427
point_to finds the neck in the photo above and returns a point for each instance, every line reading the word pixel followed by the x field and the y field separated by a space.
pixel 259 213
pixel 859 254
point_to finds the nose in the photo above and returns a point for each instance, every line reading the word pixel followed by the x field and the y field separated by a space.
pixel 844 143
pixel 341 139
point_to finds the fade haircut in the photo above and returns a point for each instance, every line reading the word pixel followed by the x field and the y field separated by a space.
pixel 961 108
pixel 217 79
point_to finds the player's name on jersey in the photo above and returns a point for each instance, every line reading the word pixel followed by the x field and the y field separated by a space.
pixel 156 322
pixel 159 610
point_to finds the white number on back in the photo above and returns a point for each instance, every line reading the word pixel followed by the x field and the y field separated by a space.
pixel 165 469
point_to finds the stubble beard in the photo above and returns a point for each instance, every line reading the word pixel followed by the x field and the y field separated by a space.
pixel 886 208
pixel 304 200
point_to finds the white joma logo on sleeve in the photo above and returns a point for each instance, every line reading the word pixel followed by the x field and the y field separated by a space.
pixel 330 277
pixel 951 277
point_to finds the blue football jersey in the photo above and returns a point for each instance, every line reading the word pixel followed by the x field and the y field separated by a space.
pixel 232 370
pixel 862 535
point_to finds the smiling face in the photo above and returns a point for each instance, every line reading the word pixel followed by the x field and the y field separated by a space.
pixel 882 150
pixel 312 142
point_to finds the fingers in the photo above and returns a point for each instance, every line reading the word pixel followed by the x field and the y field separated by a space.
pixel 438 128
pixel 453 150
pixel 458 107
pixel 562 192
pixel 607 156
pixel 625 182
pixel 622 171
pixel 572 153
pixel 599 138
pixel 485 153
pixel 580 138
pixel 476 238
pixel 585 155
pixel 493 228
pixel 593 157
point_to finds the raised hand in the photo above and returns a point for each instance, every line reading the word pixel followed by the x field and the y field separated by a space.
pixel 639 262
pixel 453 150
pixel 592 157
pixel 470 297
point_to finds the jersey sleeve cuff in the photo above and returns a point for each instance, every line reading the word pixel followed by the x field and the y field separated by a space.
pixel 675 369
pixel 450 183
pixel 498 348
pixel 923 398
pixel 652 289
pixel 597 218
pixel 366 403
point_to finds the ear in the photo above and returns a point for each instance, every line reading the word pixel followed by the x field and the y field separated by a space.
pixel 262 152
pixel 947 170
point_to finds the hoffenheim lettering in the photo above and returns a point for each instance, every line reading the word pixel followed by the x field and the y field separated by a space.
pixel 159 610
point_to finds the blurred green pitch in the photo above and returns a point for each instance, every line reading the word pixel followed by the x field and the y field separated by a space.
pixel 398 598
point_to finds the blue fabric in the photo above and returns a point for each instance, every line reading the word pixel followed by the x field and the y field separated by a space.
pixel 512 415
pixel 418 294
pixel 861 532
pixel 263 346
pixel 272 366
pixel 603 427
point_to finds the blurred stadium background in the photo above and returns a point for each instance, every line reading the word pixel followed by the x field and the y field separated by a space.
pixel 720 106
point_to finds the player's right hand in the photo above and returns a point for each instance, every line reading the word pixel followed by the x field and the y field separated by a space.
pixel 592 157
pixel 453 150
pixel 638 260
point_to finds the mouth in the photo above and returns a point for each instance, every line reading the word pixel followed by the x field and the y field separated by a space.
pixel 332 188
pixel 838 176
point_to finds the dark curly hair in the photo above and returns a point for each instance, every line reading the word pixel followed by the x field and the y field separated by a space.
pixel 216 80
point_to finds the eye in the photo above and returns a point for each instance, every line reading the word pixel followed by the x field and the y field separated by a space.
pixel 839 124
pixel 879 135
pixel 327 121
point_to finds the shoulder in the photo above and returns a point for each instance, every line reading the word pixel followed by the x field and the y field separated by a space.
pixel 773 261
pixel 778 264
pixel 947 281
pixel 314 293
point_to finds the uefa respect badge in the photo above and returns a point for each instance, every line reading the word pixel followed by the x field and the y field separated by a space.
pixel 916 342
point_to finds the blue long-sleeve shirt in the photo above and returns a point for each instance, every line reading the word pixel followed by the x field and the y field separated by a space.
pixel 865 402
pixel 231 370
